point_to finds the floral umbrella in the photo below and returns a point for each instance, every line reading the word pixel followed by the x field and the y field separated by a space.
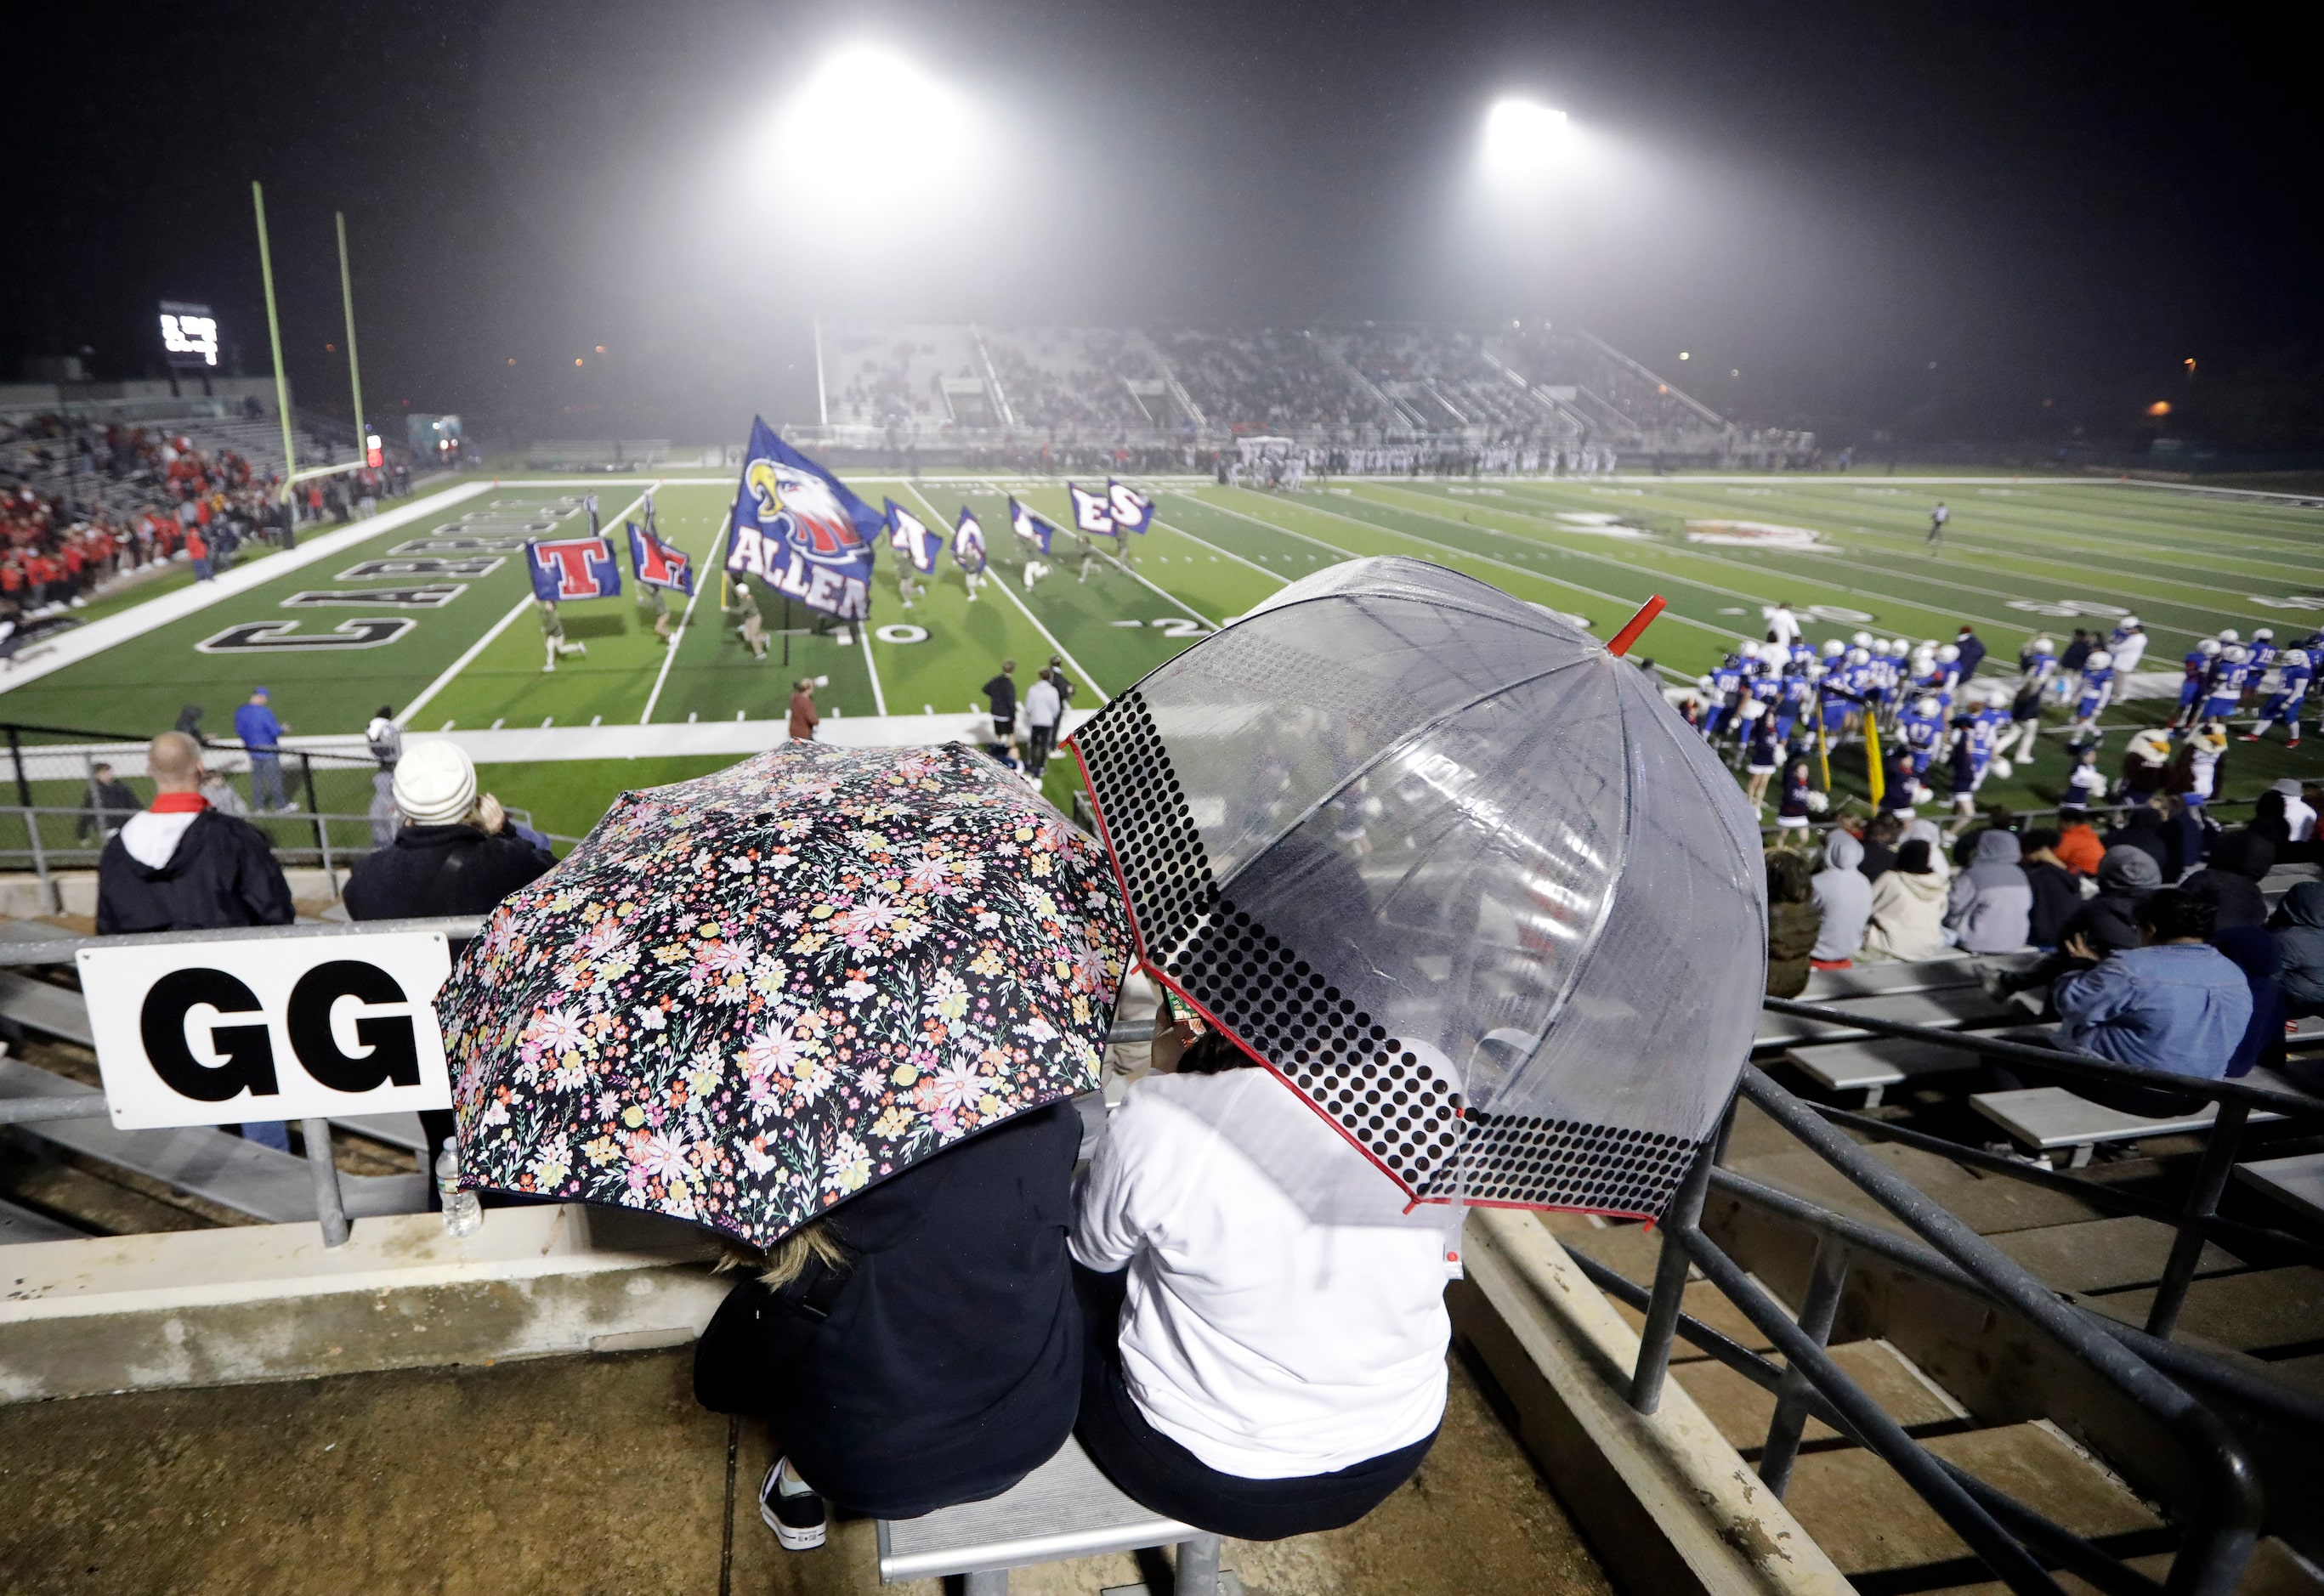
pixel 745 998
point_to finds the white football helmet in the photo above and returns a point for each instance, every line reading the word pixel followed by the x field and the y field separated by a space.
pixel 2296 656
pixel 2129 621
pixel 1833 647
pixel 2042 645
pixel 1948 654
pixel 2099 659
pixel 1748 648
pixel 1860 656
pixel 2228 634
pixel 2209 645
pixel 1862 639
pixel 2234 654
pixel 2264 634
pixel 1927 708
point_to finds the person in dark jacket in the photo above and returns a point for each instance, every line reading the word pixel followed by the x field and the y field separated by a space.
pixel 110 803
pixel 2142 829
pixel 1793 922
pixel 2254 951
pixel 182 866
pixel 1972 651
pixel 457 853
pixel 2056 894
pixel 1000 694
pixel 2230 882
pixel 920 1344
pixel 2299 927
pixel 1881 836
pixel 2106 924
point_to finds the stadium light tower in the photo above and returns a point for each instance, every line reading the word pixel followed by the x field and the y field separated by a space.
pixel 1524 138
pixel 868 128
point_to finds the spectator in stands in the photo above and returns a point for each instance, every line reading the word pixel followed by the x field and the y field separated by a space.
pixel 1262 1359
pixel 1908 906
pixel 182 866
pixel 1989 904
pixel 2142 829
pixel 2056 895
pixel 803 719
pixel 1843 898
pixel 110 802
pixel 262 736
pixel 2230 882
pixel 1793 922
pixel 455 854
pixel 1882 833
pixel 2299 927
pixel 2173 1004
pixel 2252 950
pixel 2078 848
pixel 917 1346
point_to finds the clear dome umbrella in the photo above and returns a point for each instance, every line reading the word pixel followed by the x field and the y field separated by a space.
pixel 1456 872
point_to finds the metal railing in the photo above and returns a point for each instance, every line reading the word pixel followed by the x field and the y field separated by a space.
pixel 2219 1508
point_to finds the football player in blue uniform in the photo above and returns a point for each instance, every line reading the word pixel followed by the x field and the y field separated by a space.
pixel 2290 691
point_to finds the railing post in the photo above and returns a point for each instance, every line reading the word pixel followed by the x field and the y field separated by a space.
pixel 16 757
pixel 2212 1174
pixel 41 861
pixel 1670 1284
pixel 330 1206
pixel 1816 1314
pixel 1197 1574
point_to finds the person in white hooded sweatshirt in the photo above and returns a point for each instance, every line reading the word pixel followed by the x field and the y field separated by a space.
pixel 1266 1320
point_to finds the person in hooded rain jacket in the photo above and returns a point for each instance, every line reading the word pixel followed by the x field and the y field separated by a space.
pixel 2299 926
pixel 1845 898
pixel 1908 908
pixel 1793 923
pixel 1990 906
pixel 182 865
pixel 2230 882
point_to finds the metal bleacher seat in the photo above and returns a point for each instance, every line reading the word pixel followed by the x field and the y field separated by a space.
pixel 1872 980
pixel 2297 1182
pixel 1950 1007
pixel 2046 1118
pixel 1063 1508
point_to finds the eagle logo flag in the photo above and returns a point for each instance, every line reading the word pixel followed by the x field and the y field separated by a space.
pixel 566 568
pixel 1132 511
pixel 968 543
pixel 910 538
pixel 801 530
pixel 1030 526
pixel 658 564
pixel 1093 512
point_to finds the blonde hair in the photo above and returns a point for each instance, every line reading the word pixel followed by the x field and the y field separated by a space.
pixel 485 814
pixel 787 1260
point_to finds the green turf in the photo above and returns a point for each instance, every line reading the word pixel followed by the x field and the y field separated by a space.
pixel 2189 565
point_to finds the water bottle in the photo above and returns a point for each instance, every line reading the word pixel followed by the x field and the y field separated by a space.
pixel 464 1213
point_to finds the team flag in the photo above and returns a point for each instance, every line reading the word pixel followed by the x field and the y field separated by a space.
pixel 1132 511
pixel 801 530
pixel 1030 526
pixel 910 537
pixel 1093 512
pixel 968 543
pixel 658 564
pixel 566 568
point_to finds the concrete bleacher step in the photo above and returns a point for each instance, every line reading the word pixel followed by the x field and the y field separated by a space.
pixel 2104 1254
pixel 1870 1522
pixel 212 1165
pixel 23 1224
pixel 1991 1206
pixel 2252 1312
pixel 1742 1409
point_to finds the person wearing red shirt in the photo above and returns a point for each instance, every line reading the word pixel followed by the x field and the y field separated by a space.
pixel 197 549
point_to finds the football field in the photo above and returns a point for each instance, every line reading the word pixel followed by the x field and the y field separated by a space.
pixel 434 617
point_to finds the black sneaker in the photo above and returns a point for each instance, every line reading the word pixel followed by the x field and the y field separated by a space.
pixel 797 1521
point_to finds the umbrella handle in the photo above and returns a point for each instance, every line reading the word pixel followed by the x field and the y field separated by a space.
pixel 1637 624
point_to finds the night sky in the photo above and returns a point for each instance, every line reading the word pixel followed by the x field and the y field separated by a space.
pixel 1926 218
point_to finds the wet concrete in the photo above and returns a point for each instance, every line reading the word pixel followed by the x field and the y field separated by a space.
pixel 600 1475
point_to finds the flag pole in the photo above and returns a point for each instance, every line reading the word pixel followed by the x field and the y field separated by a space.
pixel 274 336
pixel 354 371
pixel 1875 777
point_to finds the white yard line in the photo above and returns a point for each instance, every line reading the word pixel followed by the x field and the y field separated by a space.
pixel 669 654
pixel 502 624
pixel 864 636
pixel 157 613
pixel 1215 548
pixel 1002 584
pixel 463 662
pixel 1615 598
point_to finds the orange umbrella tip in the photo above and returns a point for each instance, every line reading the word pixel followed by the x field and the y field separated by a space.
pixel 1635 624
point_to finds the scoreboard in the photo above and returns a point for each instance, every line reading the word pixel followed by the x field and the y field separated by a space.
pixel 189 336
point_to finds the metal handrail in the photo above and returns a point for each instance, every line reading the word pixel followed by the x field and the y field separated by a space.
pixel 2221 1514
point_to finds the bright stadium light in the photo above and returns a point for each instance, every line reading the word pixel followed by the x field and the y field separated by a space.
pixel 1523 137
pixel 870 127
